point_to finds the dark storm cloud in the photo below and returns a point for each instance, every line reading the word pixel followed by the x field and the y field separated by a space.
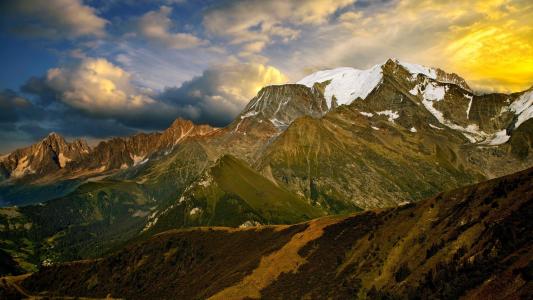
pixel 9 105
pixel 38 86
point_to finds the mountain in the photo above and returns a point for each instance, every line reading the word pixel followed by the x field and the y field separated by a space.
pixel 355 153
pixel 474 243
pixel 341 141
pixel 427 102
pixel 53 167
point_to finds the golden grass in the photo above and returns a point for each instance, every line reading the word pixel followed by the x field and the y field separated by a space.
pixel 270 267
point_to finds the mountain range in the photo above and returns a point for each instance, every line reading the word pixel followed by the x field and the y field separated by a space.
pixel 336 142
pixel 472 243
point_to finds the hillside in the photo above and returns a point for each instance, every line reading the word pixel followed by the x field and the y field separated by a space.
pixel 232 194
pixel 470 243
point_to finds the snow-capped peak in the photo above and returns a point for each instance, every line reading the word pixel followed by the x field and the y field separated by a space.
pixel 348 84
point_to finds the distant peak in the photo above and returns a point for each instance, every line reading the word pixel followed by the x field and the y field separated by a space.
pixel 179 122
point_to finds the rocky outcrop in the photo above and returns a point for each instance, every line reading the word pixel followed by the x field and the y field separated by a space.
pixel 51 154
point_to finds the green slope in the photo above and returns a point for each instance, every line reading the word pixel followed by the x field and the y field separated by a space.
pixel 231 194
pixel 86 223
pixel 235 178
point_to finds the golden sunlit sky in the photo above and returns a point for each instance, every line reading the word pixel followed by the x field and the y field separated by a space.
pixel 99 68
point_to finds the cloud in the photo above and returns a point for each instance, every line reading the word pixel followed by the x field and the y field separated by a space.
pixel 53 18
pixel 221 92
pixel 96 98
pixel 155 25
pixel 256 23
pixel 98 89
pixel 96 86
pixel 10 104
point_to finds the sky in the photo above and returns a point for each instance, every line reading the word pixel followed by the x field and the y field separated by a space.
pixel 95 69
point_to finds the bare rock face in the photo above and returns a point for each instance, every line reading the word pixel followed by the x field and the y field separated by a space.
pixel 282 104
pixel 120 153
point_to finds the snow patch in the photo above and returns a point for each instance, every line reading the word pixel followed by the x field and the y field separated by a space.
pixel 434 92
pixel 249 114
pixel 195 211
pixel 152 220
pixel 523 107
pixel 431 94
pixel 278 124
pixel 469 105
pixel 205 182
pixel 435 127
pixel 366 114
pixel 498 138
pixel 138 160
pixel 413 129
pixel 415 69
pixel 392 115
pixel 346 84
pixel 374 127
pixel 414 90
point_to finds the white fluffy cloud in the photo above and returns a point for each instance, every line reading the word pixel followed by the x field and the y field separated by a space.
pixel 156 25
pixel 97 86
pixel 54 18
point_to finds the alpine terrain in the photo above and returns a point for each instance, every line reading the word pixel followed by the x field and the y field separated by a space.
pixel 398 180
